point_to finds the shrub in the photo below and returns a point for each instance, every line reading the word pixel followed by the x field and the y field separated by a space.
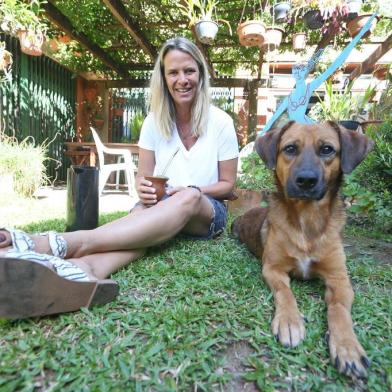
pixel 254 174
pixel 369 188
pixel 25 162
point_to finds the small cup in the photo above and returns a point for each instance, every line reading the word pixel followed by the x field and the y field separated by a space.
pixel 159 183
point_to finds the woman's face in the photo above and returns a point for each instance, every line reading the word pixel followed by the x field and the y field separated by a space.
pixel 182 77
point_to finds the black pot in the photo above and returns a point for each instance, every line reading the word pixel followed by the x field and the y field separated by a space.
pixel 350 124
pixel 313 20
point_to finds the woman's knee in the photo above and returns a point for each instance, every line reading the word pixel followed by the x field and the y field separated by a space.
pixel 189 201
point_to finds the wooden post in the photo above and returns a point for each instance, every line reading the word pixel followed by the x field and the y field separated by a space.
pixel 252 116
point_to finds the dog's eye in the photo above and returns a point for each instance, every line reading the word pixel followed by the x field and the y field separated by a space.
pixel 326 150
pixel 291 149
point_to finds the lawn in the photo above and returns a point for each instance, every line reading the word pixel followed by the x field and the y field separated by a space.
pixel 195 316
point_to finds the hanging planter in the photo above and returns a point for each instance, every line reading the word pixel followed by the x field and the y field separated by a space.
pixel 99 122
pixel 251 33
pixel 64 39
pixel 355 25
pixel 273 38
pixel 206 31
pixel 381 72
pixel 90 93
pixel 313 20
pixel 31 42
pixel 299 41
pixel 118 112
pixel 280 11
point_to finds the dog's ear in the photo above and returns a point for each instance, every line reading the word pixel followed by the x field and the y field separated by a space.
pixel 267 145
pixel 354 147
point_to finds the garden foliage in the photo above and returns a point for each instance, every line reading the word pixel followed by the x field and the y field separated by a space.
pixel 25 162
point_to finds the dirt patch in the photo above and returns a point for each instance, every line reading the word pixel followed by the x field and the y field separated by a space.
pixel 234 364
pixel 361 246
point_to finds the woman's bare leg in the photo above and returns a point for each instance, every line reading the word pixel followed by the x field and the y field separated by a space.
pixel 102 265
pixel 145 228
pixel 187 210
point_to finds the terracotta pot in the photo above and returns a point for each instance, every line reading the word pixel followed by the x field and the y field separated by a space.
pixel 31 42
pixel 206 31
pixel 313 20
pixel 355 25
pixel 159 183
pixel 280 11
pixel 299 41
pixel 251 33
pixel 118 112
pixel 64 39
pixel 99 122
pixel 381 72
pixel 90 93
pixel 273 38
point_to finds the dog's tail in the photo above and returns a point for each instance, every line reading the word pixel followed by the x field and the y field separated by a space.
pixel 247 228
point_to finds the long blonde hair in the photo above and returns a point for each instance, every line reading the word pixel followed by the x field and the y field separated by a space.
pixel 161 103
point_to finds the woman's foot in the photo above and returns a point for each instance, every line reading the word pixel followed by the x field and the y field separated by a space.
pixel 50 243
pixel 30 289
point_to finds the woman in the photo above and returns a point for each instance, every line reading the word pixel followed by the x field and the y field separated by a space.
pixel 202 173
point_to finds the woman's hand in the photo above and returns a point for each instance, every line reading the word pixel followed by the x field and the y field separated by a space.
pixel 146 192
pixel 172 190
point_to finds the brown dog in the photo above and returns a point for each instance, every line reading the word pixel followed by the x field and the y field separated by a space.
pixel 300 232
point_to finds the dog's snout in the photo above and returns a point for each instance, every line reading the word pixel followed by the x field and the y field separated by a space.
pixel 306 180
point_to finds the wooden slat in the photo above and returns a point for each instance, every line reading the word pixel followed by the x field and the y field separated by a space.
pixel 218 82
pixel 121 14
pixel 62 22
pixel 368 64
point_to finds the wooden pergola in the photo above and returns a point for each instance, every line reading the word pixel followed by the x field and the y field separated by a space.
pixel 146 32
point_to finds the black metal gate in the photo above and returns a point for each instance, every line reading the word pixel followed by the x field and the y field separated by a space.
pixel 39 101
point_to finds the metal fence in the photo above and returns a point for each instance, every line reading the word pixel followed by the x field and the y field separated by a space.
pixel 133 108
pixel 39 101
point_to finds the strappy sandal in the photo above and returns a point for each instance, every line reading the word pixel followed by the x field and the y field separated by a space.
pixel 22 242
pixel 32 284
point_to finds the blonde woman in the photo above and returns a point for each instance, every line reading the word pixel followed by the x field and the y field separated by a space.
pixel 201 175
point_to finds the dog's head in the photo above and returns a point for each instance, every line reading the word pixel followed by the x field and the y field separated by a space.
pixel 309 159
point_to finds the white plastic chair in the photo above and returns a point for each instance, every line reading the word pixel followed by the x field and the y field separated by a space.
pixel 106 169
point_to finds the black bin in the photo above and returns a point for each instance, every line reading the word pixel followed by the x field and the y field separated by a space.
pixel 82 198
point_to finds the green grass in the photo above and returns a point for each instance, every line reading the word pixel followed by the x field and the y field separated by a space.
pixel 195 316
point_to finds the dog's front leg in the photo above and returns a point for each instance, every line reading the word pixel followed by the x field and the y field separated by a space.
pixel 346 352
pixel 287 325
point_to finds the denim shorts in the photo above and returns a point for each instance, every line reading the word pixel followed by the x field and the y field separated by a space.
pixel 218 221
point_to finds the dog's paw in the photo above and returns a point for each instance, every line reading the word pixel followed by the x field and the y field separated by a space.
pixel 289 329
pixel 348 356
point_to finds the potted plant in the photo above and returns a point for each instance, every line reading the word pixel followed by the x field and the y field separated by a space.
pixel 31 41
pixel 22 19
pixel 273 34
pixel 200 14
pixel 342 106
